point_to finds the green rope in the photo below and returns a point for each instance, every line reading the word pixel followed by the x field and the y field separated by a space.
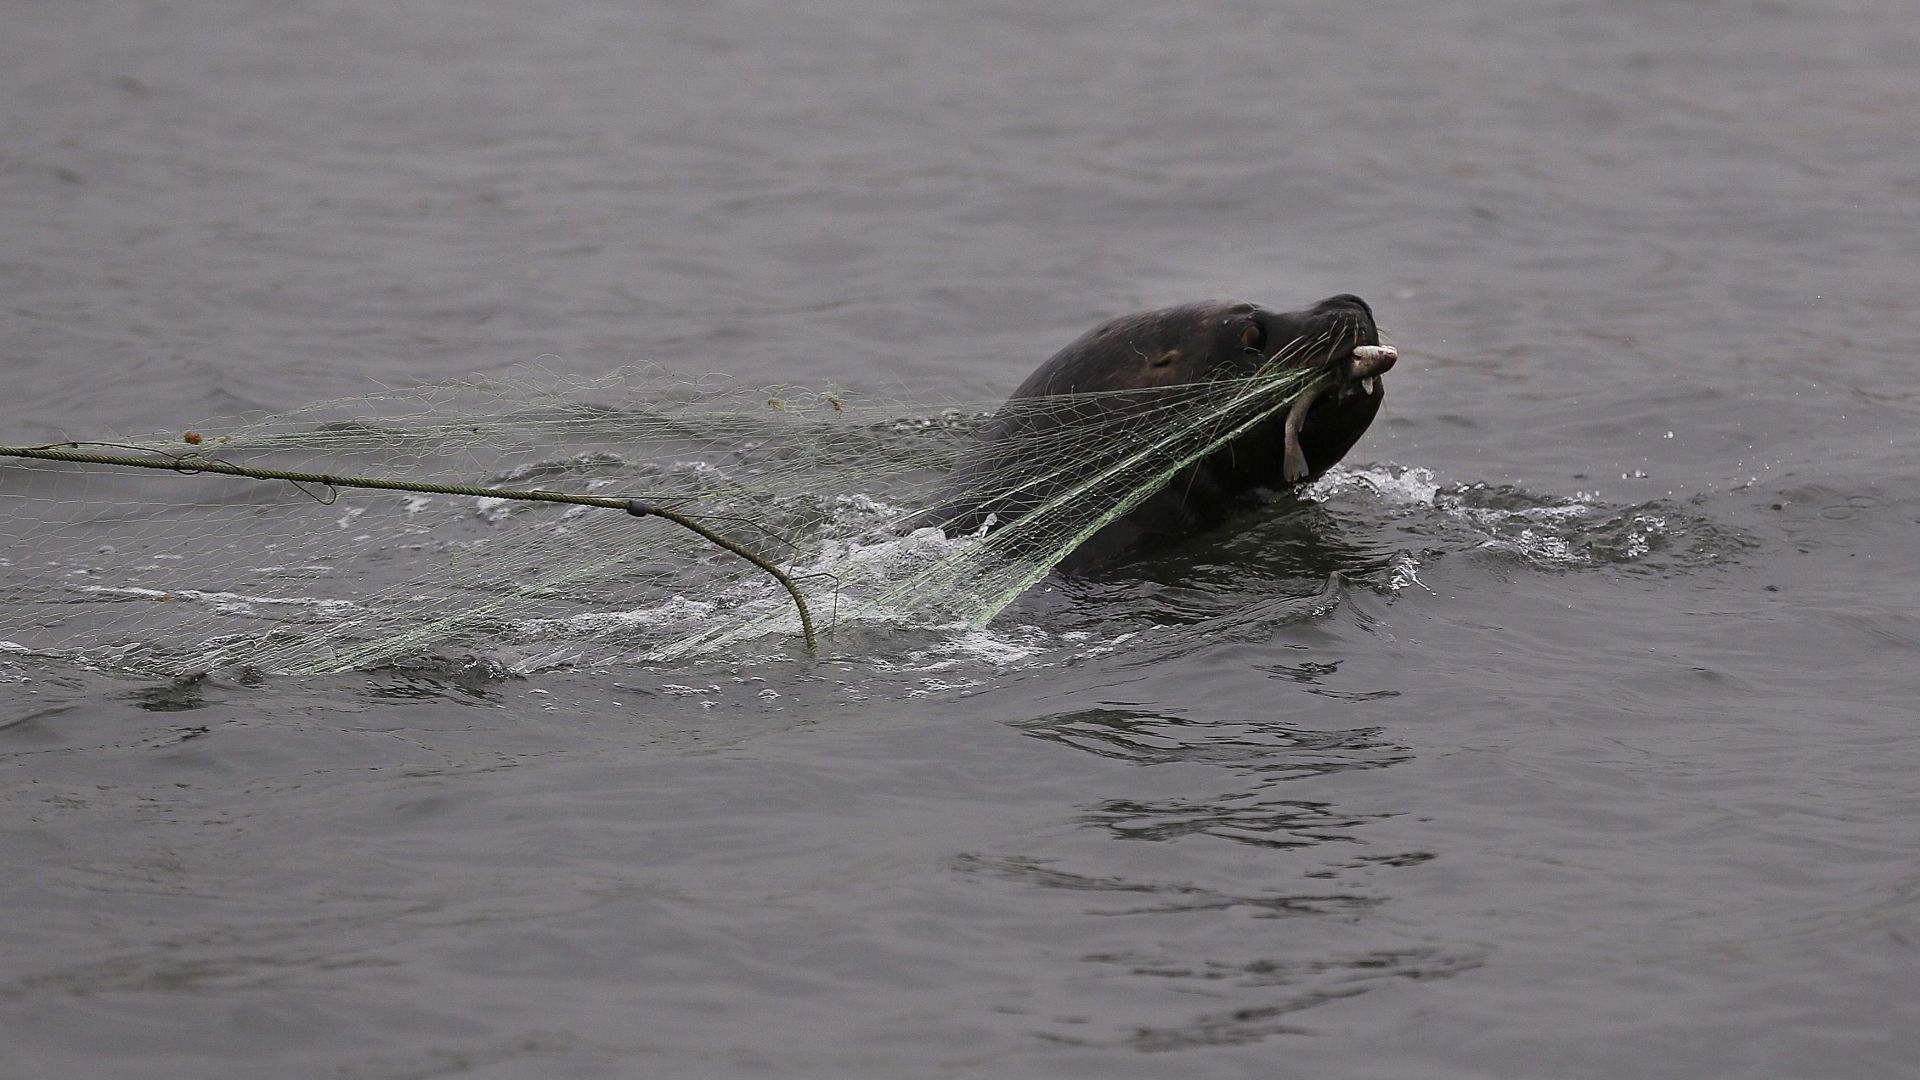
pixel 193 463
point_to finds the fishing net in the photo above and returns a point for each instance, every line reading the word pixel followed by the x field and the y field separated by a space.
pixel 173 572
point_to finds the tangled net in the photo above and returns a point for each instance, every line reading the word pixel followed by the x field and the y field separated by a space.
pixel 175 573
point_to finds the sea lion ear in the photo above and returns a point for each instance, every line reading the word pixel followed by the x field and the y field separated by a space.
pixel 1164 359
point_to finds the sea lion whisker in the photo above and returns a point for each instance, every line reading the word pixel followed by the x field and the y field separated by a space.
pixel 1294 350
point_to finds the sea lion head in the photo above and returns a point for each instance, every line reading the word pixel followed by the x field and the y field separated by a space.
pixel 1195 343
pixel 1126 362
pixel 1210 340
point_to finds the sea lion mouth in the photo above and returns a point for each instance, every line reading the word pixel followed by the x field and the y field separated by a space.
pixel 1358 373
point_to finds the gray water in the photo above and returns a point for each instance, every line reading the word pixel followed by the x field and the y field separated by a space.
pixel 1571 733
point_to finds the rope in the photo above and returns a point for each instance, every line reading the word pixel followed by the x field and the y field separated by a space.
pixel 193 463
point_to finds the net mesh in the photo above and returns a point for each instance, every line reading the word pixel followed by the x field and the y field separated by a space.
pixel 171 573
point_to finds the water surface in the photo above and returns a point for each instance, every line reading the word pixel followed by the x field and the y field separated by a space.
pixel 1571 731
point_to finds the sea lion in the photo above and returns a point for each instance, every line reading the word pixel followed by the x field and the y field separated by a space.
pixel 1125 360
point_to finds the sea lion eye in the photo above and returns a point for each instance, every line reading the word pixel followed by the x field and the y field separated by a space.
pixel 1253 337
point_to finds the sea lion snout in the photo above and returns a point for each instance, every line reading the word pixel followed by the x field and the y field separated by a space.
pixel 1327 333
